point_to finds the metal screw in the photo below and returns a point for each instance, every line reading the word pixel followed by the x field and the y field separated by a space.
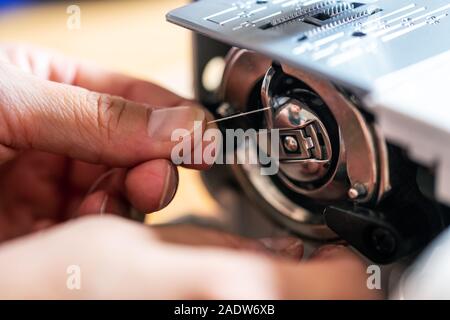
pixel 357 191
pixel 290 143
pixel 383 241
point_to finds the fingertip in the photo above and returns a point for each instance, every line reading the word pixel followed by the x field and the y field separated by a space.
pixel 100 202
pixel 163 122
pixel 151 186
pixel 170 185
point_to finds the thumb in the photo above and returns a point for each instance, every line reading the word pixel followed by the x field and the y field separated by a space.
pixel 86 125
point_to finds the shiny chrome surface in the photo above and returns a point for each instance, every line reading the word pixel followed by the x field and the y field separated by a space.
pixel 354 47
pixel 360 173
pixel 309 161
pixel 361 158
pixel 312 162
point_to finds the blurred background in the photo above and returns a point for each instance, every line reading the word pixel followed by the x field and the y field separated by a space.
pixel 131 37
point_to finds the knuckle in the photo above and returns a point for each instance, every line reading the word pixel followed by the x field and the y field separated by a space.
pixel 110 112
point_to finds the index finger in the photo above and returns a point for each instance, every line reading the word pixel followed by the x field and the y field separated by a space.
pixel 49 65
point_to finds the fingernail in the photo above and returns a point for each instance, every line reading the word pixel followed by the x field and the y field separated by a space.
pixel 170 186
pixel 163 122
pixel 103 179
pixel 286 246
pixel 104 204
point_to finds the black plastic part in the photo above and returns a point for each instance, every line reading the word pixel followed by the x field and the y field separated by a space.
pixel 371 233
pixel 400 225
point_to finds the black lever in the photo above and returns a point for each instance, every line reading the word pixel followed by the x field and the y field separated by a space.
pixel 379 237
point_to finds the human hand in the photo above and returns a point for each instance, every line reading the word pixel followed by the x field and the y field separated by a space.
pixel 119 259
pixel 58 118
pixel 44 124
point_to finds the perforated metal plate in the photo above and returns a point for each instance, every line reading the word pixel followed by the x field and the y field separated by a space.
pixel 395 52
pixel 354 42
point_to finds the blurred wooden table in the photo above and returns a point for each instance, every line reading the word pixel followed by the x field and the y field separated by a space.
pixel 127 36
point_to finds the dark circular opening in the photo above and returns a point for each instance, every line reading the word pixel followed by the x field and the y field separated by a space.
pixel 359 34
